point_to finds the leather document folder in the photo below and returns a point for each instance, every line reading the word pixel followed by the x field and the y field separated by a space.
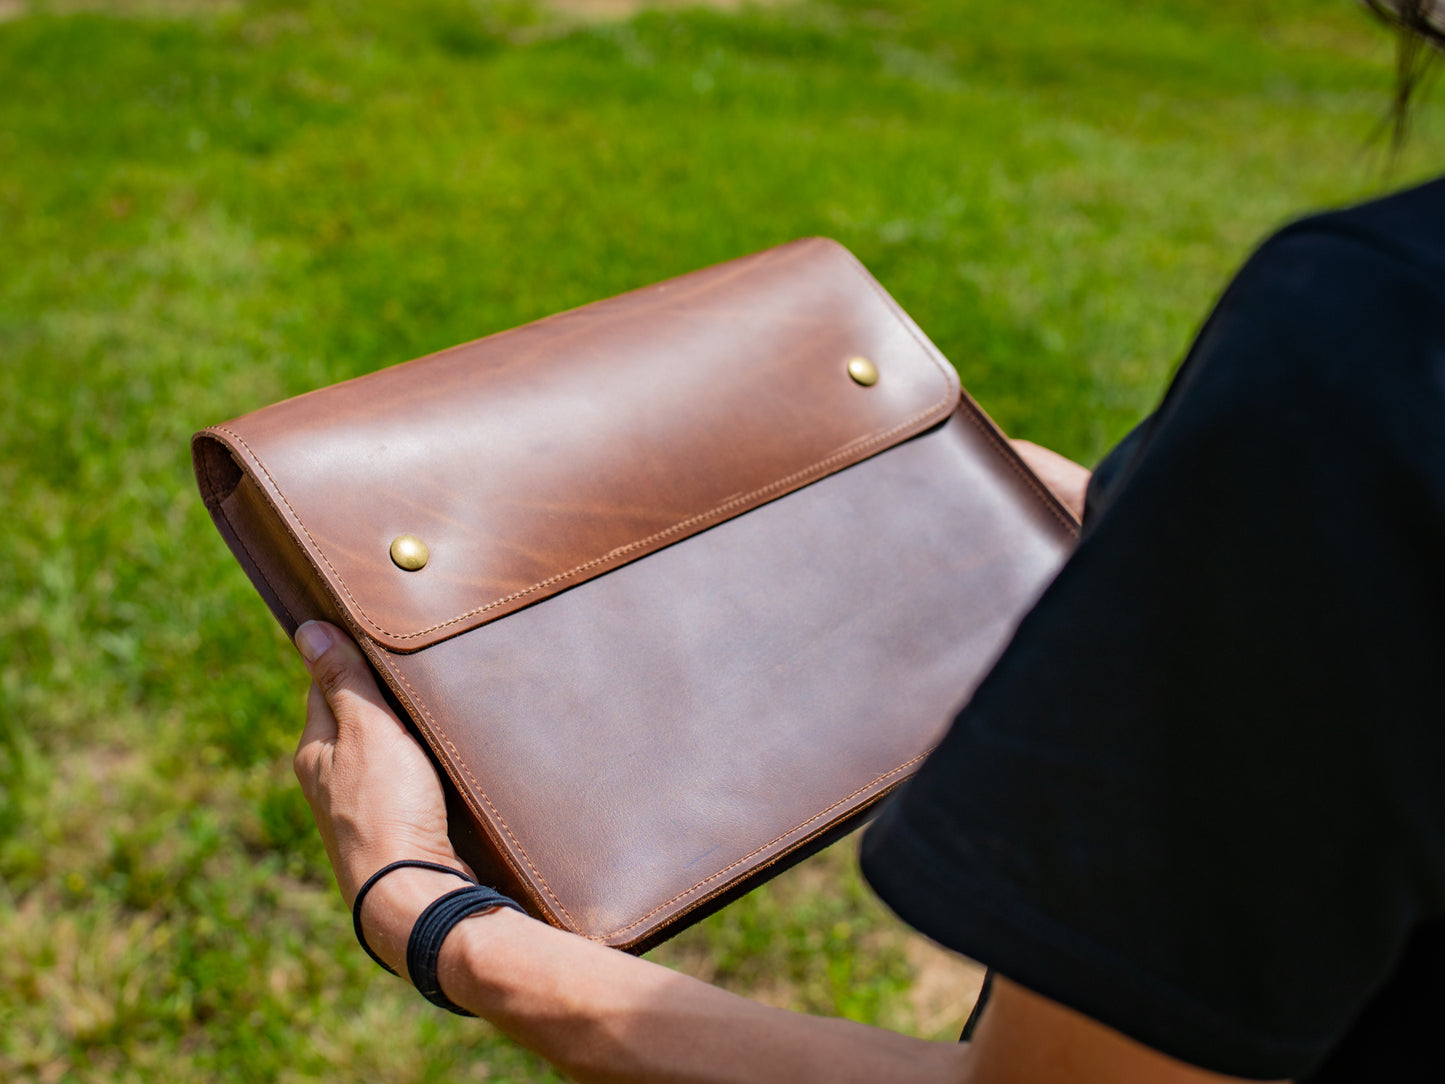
pixel 674 587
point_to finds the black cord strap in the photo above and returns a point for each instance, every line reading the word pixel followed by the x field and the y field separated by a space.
pixel 405 863
pixel 431 929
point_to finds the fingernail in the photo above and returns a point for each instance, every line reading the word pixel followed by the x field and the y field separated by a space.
pixel 312 640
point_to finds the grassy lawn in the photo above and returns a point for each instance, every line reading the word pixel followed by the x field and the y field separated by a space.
pixel 207 206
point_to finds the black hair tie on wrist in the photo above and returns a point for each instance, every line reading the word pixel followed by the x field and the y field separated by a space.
pixel 405 863
pixel 439 919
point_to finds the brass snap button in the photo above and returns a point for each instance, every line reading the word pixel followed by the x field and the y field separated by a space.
pixel 863 371
pixel 409 552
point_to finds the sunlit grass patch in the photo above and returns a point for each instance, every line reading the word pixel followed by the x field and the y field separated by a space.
pixel 207 206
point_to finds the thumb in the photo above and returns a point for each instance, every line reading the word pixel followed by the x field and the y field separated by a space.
pixel 342 674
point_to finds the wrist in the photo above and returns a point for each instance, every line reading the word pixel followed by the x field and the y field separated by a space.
pixel 478 966
pixel 393 905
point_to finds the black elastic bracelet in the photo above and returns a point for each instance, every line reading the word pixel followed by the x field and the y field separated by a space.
pixel 405 863
pixel 431 929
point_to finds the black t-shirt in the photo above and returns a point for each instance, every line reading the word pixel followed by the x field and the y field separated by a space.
pixel 1201 797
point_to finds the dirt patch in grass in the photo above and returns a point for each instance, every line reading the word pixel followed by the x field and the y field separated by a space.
pixel 602 10
pixel 945 987
pixel 616 11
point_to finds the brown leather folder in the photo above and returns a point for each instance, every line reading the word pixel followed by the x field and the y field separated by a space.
pixel 674 587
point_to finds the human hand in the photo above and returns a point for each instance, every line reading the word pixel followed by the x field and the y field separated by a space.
pixel 1066 479
pixel 603 1015
pixel 373 792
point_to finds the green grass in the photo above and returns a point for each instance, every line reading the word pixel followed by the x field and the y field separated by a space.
pixel 205 207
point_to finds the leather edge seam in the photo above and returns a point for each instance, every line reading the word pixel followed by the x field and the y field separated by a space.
pixel 759 850
pixel 476 789
pixel 215 506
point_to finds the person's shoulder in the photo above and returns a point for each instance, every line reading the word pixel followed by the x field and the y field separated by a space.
pixel 1408 226
pixel 1393 243
pixel 1341 297
pixel 1332 331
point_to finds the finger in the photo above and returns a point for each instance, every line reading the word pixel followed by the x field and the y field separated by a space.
pixel 341 673
pixel 1067 480
pixel 318 743
pixel 320 720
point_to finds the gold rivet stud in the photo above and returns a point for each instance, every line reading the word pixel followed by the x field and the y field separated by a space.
pixel 409 552
pixel 863 371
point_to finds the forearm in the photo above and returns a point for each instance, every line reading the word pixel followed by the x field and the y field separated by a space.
pixel 597 1013
pixel 602 1015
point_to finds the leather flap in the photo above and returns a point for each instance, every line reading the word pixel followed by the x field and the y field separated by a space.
pixel 540 457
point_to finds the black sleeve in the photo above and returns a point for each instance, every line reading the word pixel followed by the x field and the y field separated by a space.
pixel 1200 796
